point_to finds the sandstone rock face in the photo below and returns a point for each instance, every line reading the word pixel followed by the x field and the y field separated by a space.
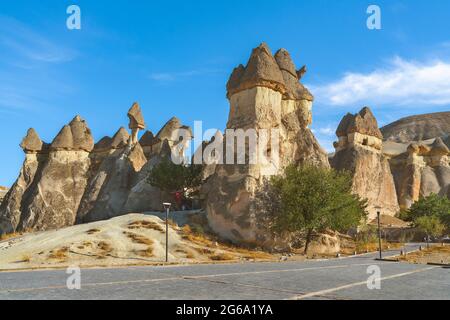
pixel 422 170
pixel 3 192
pixel 108 190
pixel 55 198
pixel 418 128
pixel 266 97
pixel 52 180
pixel 359 151
pixel 18 196
pixel 74 181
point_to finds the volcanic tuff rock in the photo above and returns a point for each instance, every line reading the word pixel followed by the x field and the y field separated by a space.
pixel 51 182
pixel 359 151
pixel 263 95
pixel 418 128
pixel 3 192
pixel 74 181
pixel 422 170
pixel 417 148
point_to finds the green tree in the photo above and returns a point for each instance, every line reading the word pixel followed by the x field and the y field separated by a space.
pixel 431 225
pixel 431 206
pixel 313 199
pixel 171 177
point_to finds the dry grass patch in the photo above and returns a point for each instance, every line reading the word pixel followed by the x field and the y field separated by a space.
pixel 224 256
pixel 143 224
pixel 373 246
pixel 434 254
pixel 137 238
pixel 204 251
pixel 104 246
pixel 205 240
pixel 60 254
pixel 190 255
pixel 25 258
pixel 201 239
pixel 92 231
pixel 8 236
pixel 147 253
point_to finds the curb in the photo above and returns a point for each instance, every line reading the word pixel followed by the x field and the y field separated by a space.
pixel 444 265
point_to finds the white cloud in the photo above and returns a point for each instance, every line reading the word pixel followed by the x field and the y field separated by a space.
pixel 328 131
pixel 402 82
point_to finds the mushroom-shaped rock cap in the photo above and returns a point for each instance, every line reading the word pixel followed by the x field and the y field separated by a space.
pixel 120 139
pixel 148 139
pixel 81 134
pixel 31 142
pixel 63 139
pixel 136 118
pixel 171 130
pixel 364 122
pixel 418 148
pixel 103 144
pixel 261 70
pixel 75 137
pixel 342 129
pixel 439 148
pixel 166 131
pixel 295 90
pixel 235 79
pixel 285 62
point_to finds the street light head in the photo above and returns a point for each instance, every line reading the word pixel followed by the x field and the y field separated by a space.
pixel 167 205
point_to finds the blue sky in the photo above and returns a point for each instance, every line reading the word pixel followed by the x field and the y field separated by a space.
pixel 174 58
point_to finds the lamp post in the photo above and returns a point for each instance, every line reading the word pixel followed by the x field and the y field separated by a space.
pixel 379 234
pixel 167 206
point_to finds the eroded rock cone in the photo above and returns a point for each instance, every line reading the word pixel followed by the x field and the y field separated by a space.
pixel 31 142
pixel 260 100
pixel 422 170
pixel 52 199
pixel 19 196
pixel 359 151
pixel 136 118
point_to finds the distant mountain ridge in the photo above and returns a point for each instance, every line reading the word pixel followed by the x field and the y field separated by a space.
pixel 418 128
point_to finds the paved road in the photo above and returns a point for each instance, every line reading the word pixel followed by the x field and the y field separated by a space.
pixel 332 279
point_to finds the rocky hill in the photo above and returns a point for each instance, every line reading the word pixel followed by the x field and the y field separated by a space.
pixel 418 128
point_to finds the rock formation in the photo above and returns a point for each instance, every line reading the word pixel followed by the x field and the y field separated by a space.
pixel 422 170
pixel 418 128
pixel 3 192
pixel 266 97
pixel 18 197
pixel 359 150
pixel 74 181
pixel 52 180
pixel 136 122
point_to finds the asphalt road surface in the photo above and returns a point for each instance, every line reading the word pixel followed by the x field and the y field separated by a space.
pixel 340 279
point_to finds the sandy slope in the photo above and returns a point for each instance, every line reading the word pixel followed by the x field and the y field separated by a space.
pixel 132 239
